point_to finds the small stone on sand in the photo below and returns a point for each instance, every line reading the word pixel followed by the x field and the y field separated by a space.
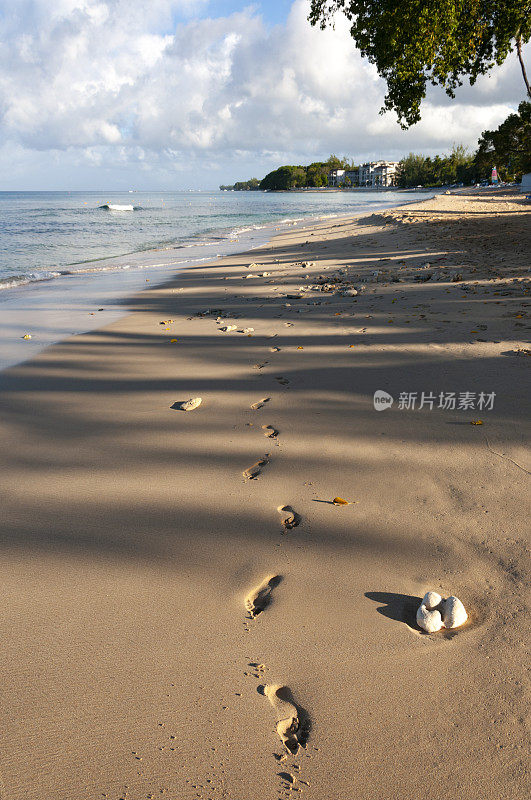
pixel 435 613
pixel 431 600
pixel 189 405
pixel 430 621
pixel 453 612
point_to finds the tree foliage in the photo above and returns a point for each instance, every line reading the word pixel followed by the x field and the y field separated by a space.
pixel 287 177
pixel 508 147
pixel 413 43
pixel 456 167
pixel 334 162
pixel 314 175
pixel 317 174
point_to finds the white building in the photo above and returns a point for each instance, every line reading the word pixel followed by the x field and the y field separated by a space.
pixel 343 177
pixel 378 173
pixel 336 177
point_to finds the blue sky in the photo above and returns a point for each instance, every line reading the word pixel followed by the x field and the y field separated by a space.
pixel 273 11
pixel 171 94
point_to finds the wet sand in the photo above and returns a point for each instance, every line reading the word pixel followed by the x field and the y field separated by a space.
pixel 186 614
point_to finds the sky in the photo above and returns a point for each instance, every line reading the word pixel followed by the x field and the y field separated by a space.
pixel 177 94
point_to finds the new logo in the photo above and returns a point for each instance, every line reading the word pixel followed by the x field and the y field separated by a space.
pixel 382 400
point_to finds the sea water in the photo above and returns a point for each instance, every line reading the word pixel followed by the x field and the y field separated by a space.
pixel 65 254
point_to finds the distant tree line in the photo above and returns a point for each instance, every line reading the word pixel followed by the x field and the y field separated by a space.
pixel 314 175
pixel 419 170
pixel 295 177
pixel 508 148
pixel 251 185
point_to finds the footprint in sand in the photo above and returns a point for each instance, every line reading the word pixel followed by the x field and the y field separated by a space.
pixel 269 431
pixel 288 717
pixel 254 471
pixel 260 597
pixel 291 781
pixel 282 380
pixel 260 403
pixel 289 518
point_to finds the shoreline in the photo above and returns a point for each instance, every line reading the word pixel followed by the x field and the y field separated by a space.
pixel 132 536
pixel 38 307
pixel 215 237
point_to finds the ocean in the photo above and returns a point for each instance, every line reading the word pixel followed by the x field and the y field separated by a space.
pixel 63 253
pixel 45 234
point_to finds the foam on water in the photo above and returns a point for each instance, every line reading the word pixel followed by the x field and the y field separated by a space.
pixel 117 207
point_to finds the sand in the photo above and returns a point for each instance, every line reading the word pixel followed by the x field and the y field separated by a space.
pixel 137 548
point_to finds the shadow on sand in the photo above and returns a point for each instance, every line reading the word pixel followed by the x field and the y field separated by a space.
pixel 400 607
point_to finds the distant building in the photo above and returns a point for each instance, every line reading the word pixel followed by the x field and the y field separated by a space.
pixel 336 177
pixel 373 173
pixel 378 173
pixel 343 177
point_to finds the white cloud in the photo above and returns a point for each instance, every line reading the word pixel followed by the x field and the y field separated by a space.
pixel 107 80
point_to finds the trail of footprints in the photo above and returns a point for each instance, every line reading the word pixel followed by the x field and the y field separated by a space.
pixel 291 722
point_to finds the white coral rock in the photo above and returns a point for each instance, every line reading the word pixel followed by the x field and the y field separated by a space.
pixel 453 612
pixel 189 405
pixel 431 600
pixel 428 620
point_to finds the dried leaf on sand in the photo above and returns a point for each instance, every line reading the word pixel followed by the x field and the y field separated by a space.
pixel 338 501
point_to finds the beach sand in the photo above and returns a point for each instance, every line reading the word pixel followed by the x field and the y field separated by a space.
pixel 165 622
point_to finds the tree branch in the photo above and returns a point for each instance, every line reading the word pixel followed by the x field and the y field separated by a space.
pixel 521 60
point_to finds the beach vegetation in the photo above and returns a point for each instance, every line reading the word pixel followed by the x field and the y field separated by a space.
pixel 508 147
pixel 458 166
pixel 286 177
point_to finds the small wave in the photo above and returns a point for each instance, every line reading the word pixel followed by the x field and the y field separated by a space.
pixel 37 277
pixel 117 207
pixel 288 220
pixel 85 270
pixel 30 277
pixel 196 244
pixel 249 229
